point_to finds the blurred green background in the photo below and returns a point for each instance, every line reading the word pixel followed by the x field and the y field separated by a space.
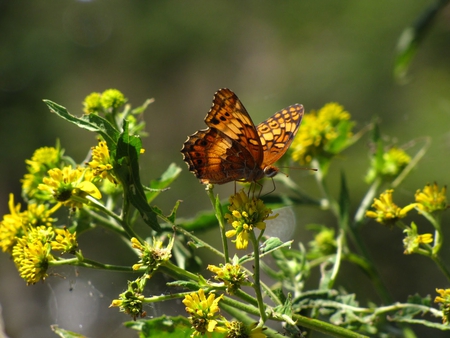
pixel 272 54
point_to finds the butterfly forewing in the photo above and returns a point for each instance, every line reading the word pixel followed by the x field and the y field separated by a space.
pixel 229 116
pixel 277 132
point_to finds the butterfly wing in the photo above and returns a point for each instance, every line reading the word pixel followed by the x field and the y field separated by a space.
pixel 277 132
pixel 229 116
pixel 215 158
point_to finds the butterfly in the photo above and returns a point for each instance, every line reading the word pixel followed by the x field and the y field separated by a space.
pixel 232 148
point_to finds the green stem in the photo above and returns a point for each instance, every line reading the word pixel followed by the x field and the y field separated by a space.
pixel 438 261
pixel 220 218
pixel 175 271
pixel 197 240
pixel 106 222
pixel 313 324
pixel 247 320
pixel 87 263
pixel 156 299
pixel 256 280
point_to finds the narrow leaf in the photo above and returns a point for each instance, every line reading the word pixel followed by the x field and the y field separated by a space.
pixel 127 169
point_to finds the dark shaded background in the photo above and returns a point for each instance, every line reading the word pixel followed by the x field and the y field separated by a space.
pixel 272 55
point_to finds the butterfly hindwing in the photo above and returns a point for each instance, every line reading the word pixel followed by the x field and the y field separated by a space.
pixel 215 158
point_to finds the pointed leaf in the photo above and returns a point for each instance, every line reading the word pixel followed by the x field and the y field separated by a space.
pixel 156 186
pixel 65 333
pixel 126 168
pixel 91 122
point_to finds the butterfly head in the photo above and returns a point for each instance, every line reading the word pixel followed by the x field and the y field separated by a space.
pixel 270 171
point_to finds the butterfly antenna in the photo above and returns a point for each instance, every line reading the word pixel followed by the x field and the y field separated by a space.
pixel 296 168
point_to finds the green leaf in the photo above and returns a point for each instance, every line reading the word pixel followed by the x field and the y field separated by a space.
pixel 91 122
pixel 126 167
pixel 65 333
pixel 157 186
pixel 176 327
pixel 171 218
pixel 269 246
pixel 411 38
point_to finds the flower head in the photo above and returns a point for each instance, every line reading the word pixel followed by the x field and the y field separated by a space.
pixel 444 299
pixel 70 186
pixel 231 275
pixel 389 164
pixel 152 255
pixel 43 159
pixel 12 226
pixel 324 243
pixel 237 329
pixel 101 162
pixel 387 212
pixel 322 134
pixel 32 254
pixel 413 240
pixel 131 300
pixel 245 215
pixel 65 241
pixel 204 312
pixel 92 103
pixel 112 99
pixel 431 199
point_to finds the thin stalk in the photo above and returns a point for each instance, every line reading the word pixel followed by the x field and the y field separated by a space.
pixel 256 280
pixel 220 218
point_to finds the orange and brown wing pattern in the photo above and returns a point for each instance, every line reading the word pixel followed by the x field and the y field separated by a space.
pixel 229 116
pixel 278 132
pixel 215 158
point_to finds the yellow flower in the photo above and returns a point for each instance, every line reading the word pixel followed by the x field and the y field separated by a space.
pixel 43 159
pixel 203 312
pixel 70 186
pixel 230 274
pixel 101 162
pixel 444 299
pixel 389 165
pixel 65 241
pixel 245 215
pixel 322 134
pixel 131 300
pixel 32 254
pixel 324 243
pixel 92 103
pixel 112 99
pixel 413 240
pixel 431 199
pixel 387 212
pixel 152 255
pixel 12 226
pixel 15 224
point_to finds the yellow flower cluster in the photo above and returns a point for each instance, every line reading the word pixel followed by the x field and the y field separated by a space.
pixel 322 134
pixel 110 99
pixel 231 275
pixel 152 255
pixel 430 199
pixel 387 212
pixel 245 215
pixel 444 299
pixel 204 312
pixel 101 162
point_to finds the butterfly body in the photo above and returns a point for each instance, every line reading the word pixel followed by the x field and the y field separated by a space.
pixel 232 148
